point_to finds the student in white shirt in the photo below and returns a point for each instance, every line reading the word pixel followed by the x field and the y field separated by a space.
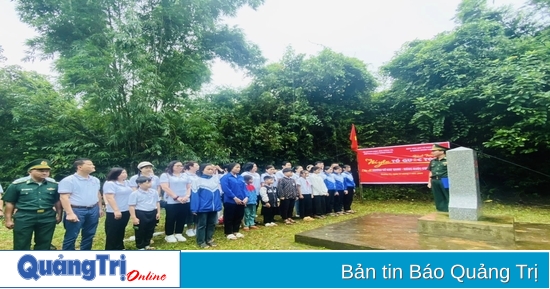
pixel 306 196
pixel 320 192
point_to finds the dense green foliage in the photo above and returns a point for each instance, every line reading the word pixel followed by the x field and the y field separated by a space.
pixel 131 73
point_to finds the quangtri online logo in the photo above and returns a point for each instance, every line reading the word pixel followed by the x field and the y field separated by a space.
pixel 30 267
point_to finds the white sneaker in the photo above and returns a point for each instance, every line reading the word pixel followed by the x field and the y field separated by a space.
pixel 190 233
pixel 231 237
pixel 268 225
pixel 239 235
pixel 273 224
pixel 171 239
pixel 180 238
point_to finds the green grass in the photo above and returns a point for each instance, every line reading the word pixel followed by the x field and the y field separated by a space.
pixel 282 236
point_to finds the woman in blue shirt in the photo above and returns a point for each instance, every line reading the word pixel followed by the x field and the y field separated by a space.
pixel 205 204
pixel 234 201
pixel 349 182
pixel 177 188
pixel 341 190
pixel 328 178
pixel 116 192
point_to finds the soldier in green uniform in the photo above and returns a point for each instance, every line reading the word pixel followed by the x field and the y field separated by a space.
pixel 438 171
pixel 33 198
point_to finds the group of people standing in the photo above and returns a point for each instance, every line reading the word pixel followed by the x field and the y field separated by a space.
pixel 315 192
pixel 191 195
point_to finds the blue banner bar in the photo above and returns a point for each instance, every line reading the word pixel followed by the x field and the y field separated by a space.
pixel 364 269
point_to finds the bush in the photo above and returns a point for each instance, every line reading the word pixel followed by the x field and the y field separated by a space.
pixel 395 192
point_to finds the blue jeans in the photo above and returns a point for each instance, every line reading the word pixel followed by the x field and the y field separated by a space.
pixel 88 219
pixel 206 224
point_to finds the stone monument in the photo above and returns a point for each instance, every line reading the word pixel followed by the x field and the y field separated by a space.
pixel 465 219
pixel 465 197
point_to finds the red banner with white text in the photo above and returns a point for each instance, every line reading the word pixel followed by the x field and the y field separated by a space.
pixel 404 164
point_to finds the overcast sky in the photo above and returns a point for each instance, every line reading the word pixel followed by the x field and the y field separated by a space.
pixel 371 30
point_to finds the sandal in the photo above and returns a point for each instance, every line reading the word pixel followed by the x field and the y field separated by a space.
pixel 287 222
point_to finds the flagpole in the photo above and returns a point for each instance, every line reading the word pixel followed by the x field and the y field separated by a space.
pixel 355 148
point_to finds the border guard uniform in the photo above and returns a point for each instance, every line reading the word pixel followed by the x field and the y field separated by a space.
pixel 439 180
pixel 34 205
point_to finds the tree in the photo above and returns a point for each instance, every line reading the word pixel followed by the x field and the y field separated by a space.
pixel 481 85
pixel 132 64
pixel 37 122
pixel 298 109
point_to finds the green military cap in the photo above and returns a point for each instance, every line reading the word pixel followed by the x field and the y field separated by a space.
pixel 437 147
pixel 40 164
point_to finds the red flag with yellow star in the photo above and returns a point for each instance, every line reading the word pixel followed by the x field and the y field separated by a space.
pixel 353 138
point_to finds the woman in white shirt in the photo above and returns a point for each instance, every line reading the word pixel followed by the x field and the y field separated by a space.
pixel 319 191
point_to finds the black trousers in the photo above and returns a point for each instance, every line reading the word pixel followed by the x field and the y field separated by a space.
pixel 232 217
pixel 176 216
pixel 329 201
pixel 338 201
pixel 144 231
pixel 114 230
pixel 348 199
pixel 269 214
pixel 306 206
pixel 319 206
pixel 286 208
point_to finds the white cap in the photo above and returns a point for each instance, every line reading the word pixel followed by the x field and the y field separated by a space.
pixel 144 164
